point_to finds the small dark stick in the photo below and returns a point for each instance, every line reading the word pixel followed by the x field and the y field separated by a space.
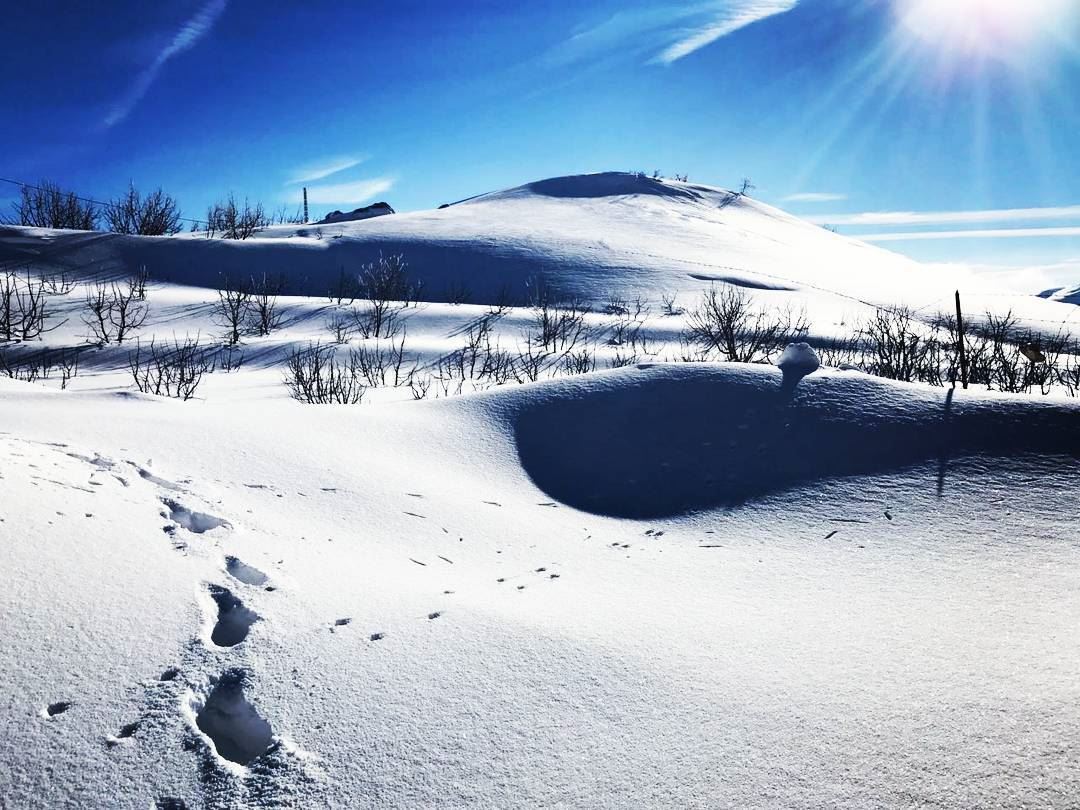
pixel 960 343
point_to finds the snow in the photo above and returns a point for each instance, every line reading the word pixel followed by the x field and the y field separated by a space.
pixel 585 236
pixel 667 585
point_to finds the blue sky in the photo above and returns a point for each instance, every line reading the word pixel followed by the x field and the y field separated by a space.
pixel 857 113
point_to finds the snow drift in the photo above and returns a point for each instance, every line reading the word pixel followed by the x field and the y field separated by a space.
pixel 661 440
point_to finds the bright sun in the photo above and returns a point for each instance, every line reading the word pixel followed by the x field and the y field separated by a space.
pixel 987 28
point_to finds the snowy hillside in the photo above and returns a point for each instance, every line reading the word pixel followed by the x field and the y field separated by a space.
pixel 586 236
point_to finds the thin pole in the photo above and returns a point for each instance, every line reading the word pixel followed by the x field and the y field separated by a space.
pixel 960 342
pixel 305 206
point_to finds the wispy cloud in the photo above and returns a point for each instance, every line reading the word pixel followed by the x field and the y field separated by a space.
pixel 996 233
pixel 908 218
pixel 666 34
pixel 355 192
pixel 321 169
pixel 726 19
pixel 815 197
pixel 197 27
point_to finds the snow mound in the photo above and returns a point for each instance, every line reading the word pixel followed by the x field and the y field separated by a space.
pixel 663 440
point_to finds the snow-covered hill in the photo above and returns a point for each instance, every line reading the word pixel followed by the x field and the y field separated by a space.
pixel 585 236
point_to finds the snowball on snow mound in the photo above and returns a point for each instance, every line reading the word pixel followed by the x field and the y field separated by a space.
pixel 799 357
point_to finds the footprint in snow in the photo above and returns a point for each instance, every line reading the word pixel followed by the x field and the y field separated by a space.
pixel 248 574
pixel 194 522
pixel 233 621
pixel 238 732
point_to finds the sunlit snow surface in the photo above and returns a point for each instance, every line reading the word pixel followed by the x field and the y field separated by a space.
pixel 673 585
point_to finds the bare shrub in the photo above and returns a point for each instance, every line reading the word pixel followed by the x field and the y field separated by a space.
pixel 139 280
pixel 228 359
pixel 580 361
pixel 669 305
pixel 532 361
pixel 233 308
pixel 1069 373
pixel 420 385
pixel 58 282
pixel 314 375
pixel 31 366
pixel 381 363
pixel 480 360
pixel 232 220
pixel 340 326
pixel 385 285
pixel 115 310
pixel 627 329
pixel 622 359
pixel 846 352
pixel 49 206
pixel 344 288
pixel 379 319
pixel 282 216
pixel 898 346
pixel 263 311
pixel 156 214
pixel 559 328
pixel 170 369
pixel 24 306
pixel 727 322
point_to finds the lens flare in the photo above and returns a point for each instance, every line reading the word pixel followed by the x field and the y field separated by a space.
pixel 982 28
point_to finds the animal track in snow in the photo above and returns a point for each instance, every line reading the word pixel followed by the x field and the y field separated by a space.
pixel 239 734
pixel 146 475
pixel 59 707
pixel 233 621
pixel 248 574
pixel 126 732
pixel 195 522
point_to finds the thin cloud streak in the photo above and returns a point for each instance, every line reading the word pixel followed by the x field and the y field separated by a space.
pixel 815 197
pixel 667 33
pixel 998 233
pixel 949 217
pixel 739 14
pixel 357 192
pixel 186 38
pixel 320 170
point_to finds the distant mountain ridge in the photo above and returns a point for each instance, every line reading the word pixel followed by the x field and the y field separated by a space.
pixel 1066 295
